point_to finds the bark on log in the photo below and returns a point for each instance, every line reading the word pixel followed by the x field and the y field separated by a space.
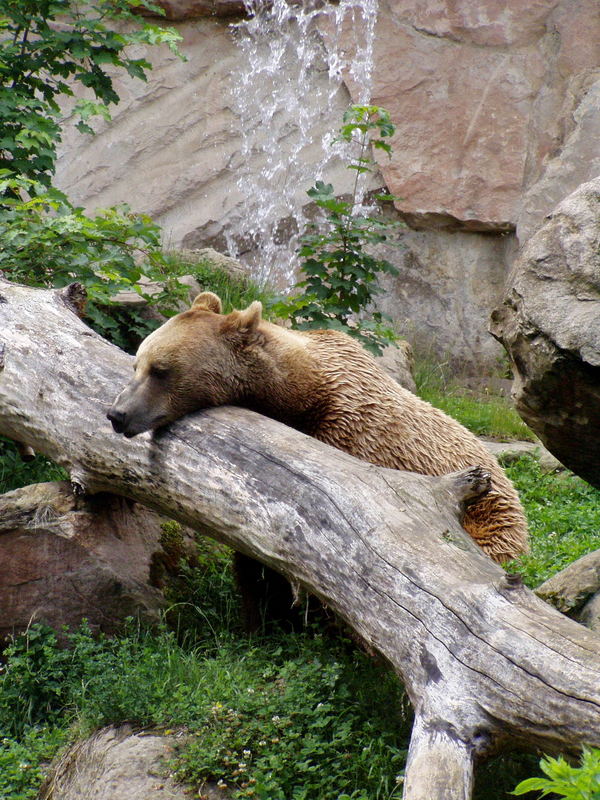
pixel 486 663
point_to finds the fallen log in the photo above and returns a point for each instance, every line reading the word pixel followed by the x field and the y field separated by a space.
pixel 487 664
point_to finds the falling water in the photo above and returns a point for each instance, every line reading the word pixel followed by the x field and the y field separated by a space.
pixel 284 100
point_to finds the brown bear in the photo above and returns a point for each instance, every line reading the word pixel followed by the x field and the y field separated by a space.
pixel 322 383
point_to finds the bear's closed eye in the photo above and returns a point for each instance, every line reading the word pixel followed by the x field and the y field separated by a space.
pixel 158 372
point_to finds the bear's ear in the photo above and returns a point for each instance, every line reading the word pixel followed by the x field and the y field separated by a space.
pixel 208 301
pixel 246 321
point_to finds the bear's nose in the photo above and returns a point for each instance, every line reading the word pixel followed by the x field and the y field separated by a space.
pixel 117 419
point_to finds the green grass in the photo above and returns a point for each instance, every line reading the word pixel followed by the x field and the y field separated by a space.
pixel 14 472
pixel 563 512
pixel 285 717
pixel 485 414
pixel 236 292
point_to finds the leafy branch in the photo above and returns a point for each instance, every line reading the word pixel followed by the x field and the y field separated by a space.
pixel 49 242
pixel 565 780
pixel 340 268
pixel 45 47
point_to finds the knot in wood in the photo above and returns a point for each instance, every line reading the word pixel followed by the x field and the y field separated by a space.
pixel 75 295
pixel 512 580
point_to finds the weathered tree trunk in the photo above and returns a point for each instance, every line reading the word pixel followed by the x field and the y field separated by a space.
pixel 487 665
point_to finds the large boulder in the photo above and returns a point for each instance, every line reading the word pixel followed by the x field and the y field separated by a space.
pixel 549 322
pixel 496 106
pixel 115 763
pixel 576 590
pixel 66 557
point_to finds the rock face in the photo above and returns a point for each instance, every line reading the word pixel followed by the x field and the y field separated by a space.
pixel 498 119
pixel 549 321
pixel 441 298
pixel 174 146
pixel 495 105
pixel 116 763
pixel 176 10
pixel 576 590
pixel 64 558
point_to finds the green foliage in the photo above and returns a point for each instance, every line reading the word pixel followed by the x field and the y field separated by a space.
pixel 202 595
pixel 319 724
pixel 564 780
pixel 340 271
pixel 236 292
pixel 14 472
pixel 563 512
pixel 49 242
pixel 33 686
pixel 319 719
pixel 484 413
pixel 21 762
pixel 45 47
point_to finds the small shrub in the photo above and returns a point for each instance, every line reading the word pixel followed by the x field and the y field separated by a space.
pixel 33 685
pixel 21 762
pixel 564 780
pixel 47 242
pixel 340 267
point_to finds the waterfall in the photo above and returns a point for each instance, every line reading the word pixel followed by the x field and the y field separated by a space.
pixel 288 104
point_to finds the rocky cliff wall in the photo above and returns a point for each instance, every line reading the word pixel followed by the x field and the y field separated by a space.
pixel 497 106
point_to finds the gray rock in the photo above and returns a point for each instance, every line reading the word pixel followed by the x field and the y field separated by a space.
pixel 548 462
pixel 511 451
pixel 574 587
pixel 549 322
pixel 205 256
pixel 211 257
pixel 132 299
pixel 115 763
pixel 397 360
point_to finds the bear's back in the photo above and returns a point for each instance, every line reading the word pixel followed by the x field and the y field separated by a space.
pixel 373 417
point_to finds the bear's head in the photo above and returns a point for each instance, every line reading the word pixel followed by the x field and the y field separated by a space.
pixel 195 360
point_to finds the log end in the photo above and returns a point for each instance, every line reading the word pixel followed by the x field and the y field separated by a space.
pixel 468 485
pixel 74 296
pixel 26 452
